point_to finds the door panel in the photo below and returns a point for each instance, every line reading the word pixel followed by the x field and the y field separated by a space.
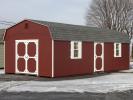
pixel 98 49
pixel 31 65
pixel 21 49
pixel 26 61
pixel 21 64
pixel 31 49
pixel 98 63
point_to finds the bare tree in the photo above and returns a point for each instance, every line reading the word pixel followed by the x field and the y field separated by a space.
pixel 112 14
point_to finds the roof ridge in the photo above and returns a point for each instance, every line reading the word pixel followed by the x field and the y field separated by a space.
pixel 50 22
pixel 62 31
pixel 61 23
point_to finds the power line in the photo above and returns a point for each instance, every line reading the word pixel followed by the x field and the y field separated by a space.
pixel 6 22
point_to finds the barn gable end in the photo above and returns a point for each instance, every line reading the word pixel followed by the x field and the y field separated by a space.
pixel 25 26
pixel 28 31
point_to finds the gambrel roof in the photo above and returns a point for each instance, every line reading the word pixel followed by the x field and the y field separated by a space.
pixel 70 32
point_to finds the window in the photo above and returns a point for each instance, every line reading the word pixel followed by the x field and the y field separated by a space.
pixel 76 49
pixel 117 49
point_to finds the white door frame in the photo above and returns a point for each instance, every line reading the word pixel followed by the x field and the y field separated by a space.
pixel 26 56
pixel 101 56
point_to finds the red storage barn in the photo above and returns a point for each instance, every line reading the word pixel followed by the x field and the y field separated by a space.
pixel 53 49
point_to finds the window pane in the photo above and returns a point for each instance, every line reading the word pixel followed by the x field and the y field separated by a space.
pixel 75 45
pixel 117 46
pixel 117 52
pixel 75 53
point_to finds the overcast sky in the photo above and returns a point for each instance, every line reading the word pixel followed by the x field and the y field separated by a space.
pixel 66 11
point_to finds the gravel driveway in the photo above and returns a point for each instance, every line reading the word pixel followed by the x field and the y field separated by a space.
pixel 102 83
pixel 118 86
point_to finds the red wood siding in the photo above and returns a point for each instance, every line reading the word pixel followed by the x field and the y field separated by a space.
pixel 32 31
pixel 112 63
pixel 64 65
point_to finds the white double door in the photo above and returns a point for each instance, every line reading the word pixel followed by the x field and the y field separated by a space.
pixel 26 57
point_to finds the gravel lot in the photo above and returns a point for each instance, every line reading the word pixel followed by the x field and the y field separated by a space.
pixel 102 83
pixel 111 86
pixel 127 95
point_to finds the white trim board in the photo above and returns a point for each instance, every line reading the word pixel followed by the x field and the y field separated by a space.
pixel 4 57
pixel 52 58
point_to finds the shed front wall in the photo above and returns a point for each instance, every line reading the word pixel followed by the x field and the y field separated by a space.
pixel 65 66
pixel 34 31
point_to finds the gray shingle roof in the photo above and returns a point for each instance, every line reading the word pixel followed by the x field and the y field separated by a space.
pixel 69 32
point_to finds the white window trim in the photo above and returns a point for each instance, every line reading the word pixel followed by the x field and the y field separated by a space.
pixel 72 50
pixel 120 50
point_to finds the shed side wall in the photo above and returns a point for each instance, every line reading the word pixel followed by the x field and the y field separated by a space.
pixel 65 66
pixel 112 63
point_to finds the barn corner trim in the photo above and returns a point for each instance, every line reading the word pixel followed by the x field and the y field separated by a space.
pixel 52 58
